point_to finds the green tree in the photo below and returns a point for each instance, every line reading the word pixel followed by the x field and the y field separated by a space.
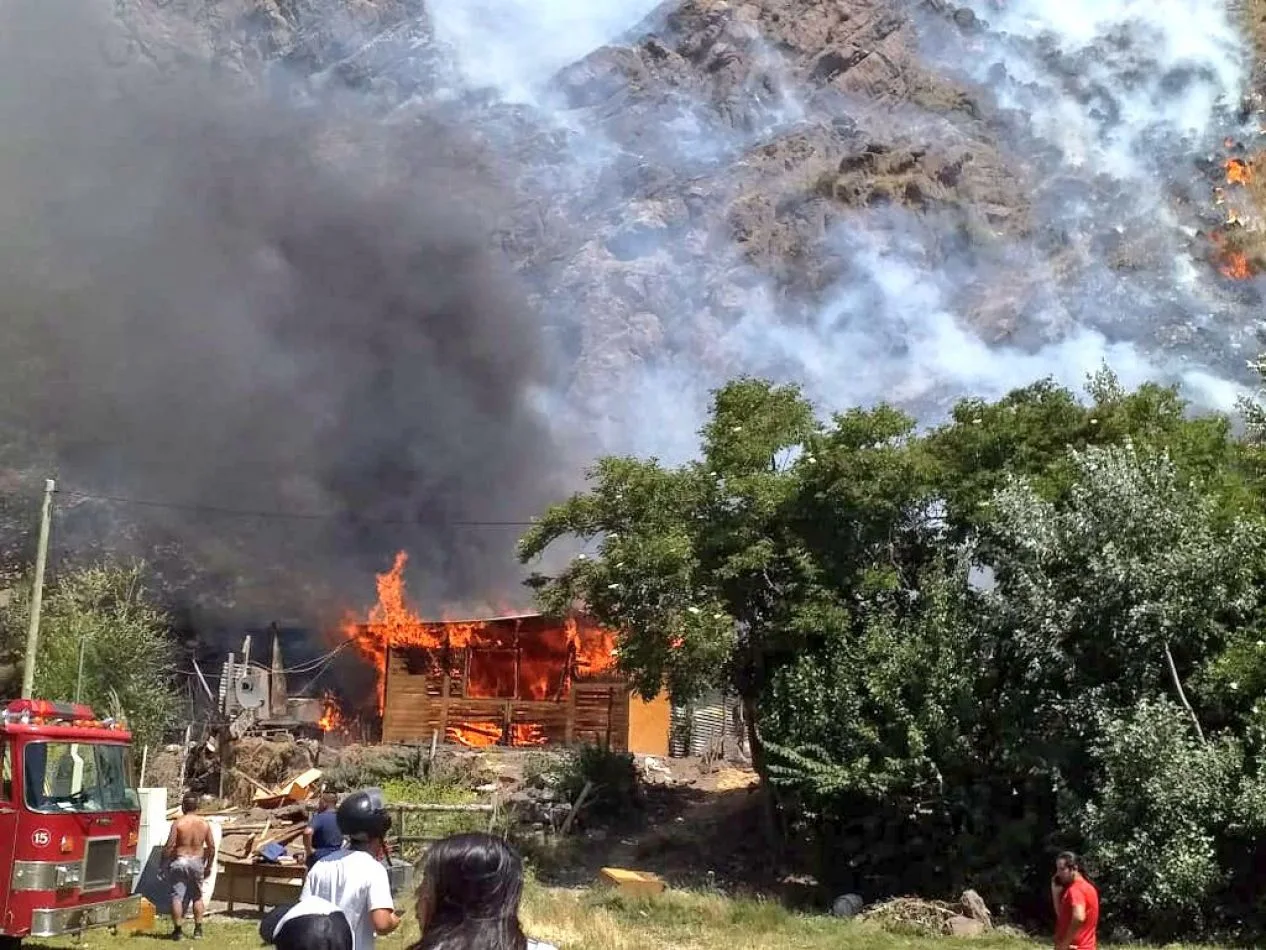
pixel 1110 599
pixel 127 664
pixel 1154 822
pixel 1031 432
pixel 1118 592
pixel 873 733
pixel 714 572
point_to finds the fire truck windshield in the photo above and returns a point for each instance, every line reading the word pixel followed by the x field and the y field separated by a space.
pixel 64 777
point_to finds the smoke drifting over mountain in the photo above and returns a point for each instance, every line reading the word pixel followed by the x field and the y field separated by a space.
pixel 206 302
pixel 221 300
pixel 1077 249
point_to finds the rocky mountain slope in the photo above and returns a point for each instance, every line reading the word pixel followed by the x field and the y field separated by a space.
pixel 898 199
pixel 737 136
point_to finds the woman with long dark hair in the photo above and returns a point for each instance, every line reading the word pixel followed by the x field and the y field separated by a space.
pixel 469 896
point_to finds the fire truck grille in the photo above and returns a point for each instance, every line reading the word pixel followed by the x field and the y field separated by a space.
pixel 101 863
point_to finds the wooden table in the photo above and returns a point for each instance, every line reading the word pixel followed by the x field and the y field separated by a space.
pixel 260 884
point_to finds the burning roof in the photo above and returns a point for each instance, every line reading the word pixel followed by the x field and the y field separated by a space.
pixel 524 656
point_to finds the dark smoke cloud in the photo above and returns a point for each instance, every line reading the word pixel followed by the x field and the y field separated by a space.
pixel 217 300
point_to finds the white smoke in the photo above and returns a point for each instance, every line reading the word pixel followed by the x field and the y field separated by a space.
pixel 515 46
pixel 1102 79
pixel 921 352
pixel 1116 94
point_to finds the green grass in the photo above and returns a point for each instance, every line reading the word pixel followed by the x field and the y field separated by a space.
pixel 431 825
pixel 601 920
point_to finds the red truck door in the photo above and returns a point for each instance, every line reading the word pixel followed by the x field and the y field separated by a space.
pixel 8 825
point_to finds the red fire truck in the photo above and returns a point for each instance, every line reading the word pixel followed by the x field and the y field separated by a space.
pixel 69 820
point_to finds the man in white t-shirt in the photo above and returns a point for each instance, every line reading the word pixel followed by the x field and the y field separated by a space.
pixel 354 877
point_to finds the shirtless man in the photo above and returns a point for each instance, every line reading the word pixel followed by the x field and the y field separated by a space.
pixel 188 858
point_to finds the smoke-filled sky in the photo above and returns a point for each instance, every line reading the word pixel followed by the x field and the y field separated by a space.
pixel 224 301
pixel 206 303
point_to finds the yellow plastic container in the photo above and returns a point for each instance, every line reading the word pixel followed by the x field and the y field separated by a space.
pixel 142 923
pixel 632 883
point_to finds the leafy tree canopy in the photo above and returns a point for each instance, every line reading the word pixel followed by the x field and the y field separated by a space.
pixel 954 639
pixel 127 665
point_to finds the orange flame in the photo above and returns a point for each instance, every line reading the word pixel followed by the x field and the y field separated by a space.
pixel 527 733
pixel 1236 266
pixel 1231 263
pixel 481 734
pixel 331 716
pixel 496 661
pixel 1238 171
pixel 473 735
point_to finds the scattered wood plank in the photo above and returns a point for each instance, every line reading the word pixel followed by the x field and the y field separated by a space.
pixel 260 786
pixel 282 837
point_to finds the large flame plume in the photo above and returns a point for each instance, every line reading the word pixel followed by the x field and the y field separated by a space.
pixel 541 668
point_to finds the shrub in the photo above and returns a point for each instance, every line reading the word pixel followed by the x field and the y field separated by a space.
pixel 365 766
pixel 417 828
pixel 1154 823
pixel 616 792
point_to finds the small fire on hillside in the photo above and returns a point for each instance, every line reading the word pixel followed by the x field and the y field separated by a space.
pixel 1238 171
pixel 1227 241
pixel 489 656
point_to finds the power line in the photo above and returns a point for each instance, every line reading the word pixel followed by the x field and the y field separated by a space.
pixel 291 515
pixel 322 661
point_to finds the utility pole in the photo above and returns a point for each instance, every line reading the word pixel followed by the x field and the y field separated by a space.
pixel 79 677
pixel 37 594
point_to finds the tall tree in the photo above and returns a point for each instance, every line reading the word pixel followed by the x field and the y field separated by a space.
pixel 695 565
pixel 127 667
pixel 1114 594
pixel 722 571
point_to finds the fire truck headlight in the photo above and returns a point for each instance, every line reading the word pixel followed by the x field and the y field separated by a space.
pixel 67 875
pixel 131 839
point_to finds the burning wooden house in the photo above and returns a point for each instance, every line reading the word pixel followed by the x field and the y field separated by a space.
pixel 520 680
pixel 517 681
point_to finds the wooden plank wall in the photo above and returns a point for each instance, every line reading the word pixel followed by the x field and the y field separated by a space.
pixel 417 705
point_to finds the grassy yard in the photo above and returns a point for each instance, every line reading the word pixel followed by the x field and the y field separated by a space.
pixel 595 920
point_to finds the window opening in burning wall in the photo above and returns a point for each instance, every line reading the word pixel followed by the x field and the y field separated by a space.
pixel 511 680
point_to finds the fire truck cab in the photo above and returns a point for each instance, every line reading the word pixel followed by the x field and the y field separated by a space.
pixel 69 820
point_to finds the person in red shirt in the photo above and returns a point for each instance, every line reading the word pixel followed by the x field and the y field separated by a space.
pixel 1076 905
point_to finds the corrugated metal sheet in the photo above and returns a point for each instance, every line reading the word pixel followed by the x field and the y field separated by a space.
pixel 679 732
pixel 702 727
pixel 707 730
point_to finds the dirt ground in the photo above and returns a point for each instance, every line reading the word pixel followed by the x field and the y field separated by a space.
pixel 700 826
pixel 700 823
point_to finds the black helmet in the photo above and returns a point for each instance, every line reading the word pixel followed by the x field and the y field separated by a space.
pixel 362 816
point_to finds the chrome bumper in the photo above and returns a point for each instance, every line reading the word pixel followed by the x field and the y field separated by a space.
pixel 58 875
pixel 53 922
